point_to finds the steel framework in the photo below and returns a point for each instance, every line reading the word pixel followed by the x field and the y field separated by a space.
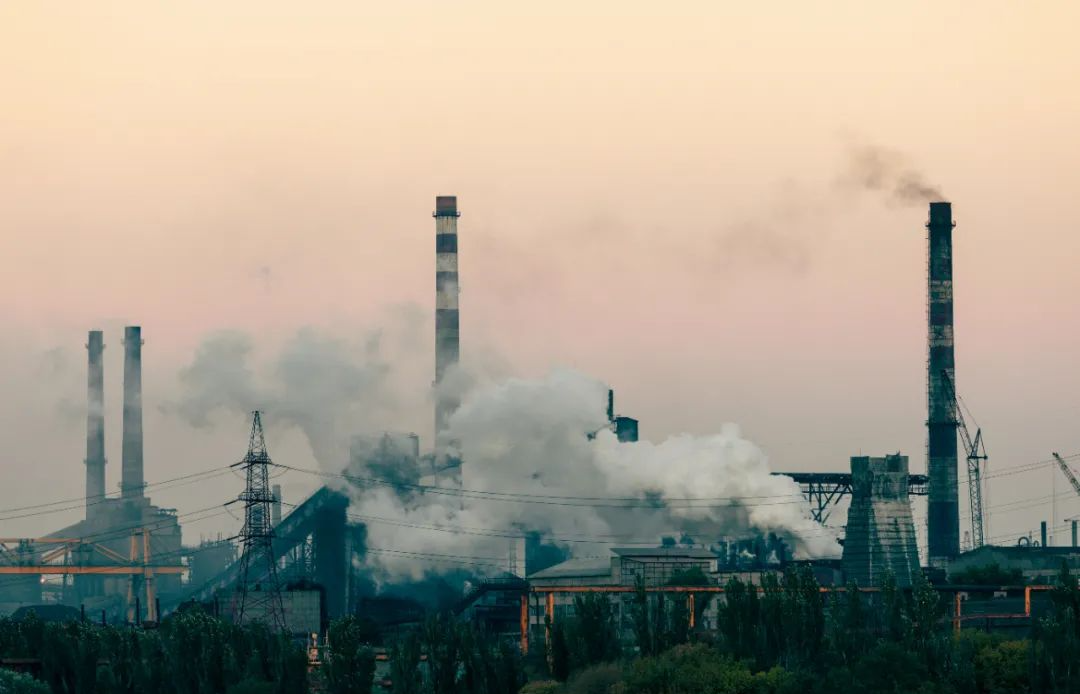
pixel 258 593
pixel 49 556
pixel 824 489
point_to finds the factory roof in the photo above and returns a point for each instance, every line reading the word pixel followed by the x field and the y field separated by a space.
pixel 1019 550
pixel 573 568
pixel 672 552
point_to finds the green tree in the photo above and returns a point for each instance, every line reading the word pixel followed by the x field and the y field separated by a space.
pixel 441 640
pixel 350 667
pixel 405 665
pixel 559 651
pixel 595 632
pixel 988 575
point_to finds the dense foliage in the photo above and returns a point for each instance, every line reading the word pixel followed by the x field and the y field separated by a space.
pixel 988 575
pixel 190 653
pixel 784 637
pixel 790 637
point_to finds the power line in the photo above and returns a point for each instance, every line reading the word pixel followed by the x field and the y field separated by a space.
pixel 184 480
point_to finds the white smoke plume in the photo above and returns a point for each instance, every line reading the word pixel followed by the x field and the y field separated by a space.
pixel 327 387
pixel 529 439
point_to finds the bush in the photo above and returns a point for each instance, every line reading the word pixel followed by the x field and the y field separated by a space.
pixel 598 679
pixel 691 669
pixel 253 686
pixel 988 575
pixel 541 687
pixel 18 683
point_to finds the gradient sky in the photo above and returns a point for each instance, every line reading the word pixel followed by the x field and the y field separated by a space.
pixel 649 194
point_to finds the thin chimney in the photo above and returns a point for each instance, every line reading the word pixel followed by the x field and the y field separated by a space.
pixel 95 422
pixel 131 483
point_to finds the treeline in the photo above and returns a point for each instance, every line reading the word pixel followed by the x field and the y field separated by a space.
pixel 786 638
pixel 443 656
pixel 789 637
pixel 190 653
pixel 194 653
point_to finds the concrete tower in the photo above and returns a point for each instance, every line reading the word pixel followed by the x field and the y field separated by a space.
pixel 880 529
pixel 447 337
pixel 95 423
pixel 944 505
pixel 131 463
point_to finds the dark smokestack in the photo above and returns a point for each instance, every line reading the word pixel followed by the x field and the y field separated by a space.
pixel 944 505
pixel 1042 533
pixel 275 504
pixel 95 421
pixel 447 337
pixel 131 463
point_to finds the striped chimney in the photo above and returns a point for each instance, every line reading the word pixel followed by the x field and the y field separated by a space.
pixel 447 336
pixel 943 509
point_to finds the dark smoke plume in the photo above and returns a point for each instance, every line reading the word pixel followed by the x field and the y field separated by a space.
pixel 887 171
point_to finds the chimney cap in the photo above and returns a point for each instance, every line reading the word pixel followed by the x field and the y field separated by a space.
pixel 940 214
pixel 446 206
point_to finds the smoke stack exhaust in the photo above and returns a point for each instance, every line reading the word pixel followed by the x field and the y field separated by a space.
pixel 447 336
pixel 944 506
pixel 95 421
pixel 131 481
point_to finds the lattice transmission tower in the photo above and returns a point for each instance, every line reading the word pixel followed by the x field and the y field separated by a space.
pixel 258 592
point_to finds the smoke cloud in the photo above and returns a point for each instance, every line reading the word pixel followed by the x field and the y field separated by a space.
pixel 327 387
pixel 531 466
pixel 886 171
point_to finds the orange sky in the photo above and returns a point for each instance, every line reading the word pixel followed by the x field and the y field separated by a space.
pixel 648 194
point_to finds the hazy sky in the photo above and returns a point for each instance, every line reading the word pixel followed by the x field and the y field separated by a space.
pixel 649 193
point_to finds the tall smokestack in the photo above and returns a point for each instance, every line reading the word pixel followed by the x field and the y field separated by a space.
pixel 275 504
pixel 944 505
pixel 447 337
pixel 131 482
pixel 95 421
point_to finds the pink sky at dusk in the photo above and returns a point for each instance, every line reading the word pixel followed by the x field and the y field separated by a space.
pixel 649 193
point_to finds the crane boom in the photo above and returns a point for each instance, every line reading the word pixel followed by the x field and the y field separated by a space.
pixel 1068 473
pixel 976 452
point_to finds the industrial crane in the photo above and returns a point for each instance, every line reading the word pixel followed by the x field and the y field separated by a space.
pixel 1068 473
pixel 976 452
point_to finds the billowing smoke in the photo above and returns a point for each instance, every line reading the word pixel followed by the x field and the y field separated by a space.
pixel 531 465
pixel 888 172
pixel 327 387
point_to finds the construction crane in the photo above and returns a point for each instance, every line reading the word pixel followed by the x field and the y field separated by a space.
pixel 1068 473
pixel 976 453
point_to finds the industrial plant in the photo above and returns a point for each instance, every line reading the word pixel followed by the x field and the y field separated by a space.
pixel 298 563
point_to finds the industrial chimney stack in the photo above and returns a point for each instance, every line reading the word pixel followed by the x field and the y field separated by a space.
pixel 95 422
pixel 944 506
pixel 131 483
pixel 447 339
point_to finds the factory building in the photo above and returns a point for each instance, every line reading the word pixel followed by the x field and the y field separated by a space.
pixel 1036 565
pixel 116 531
pixel 625 428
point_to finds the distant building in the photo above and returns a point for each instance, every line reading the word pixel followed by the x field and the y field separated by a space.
pixel 617 575
pixel 303 611
pixel 1037 565
pixel 625 428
